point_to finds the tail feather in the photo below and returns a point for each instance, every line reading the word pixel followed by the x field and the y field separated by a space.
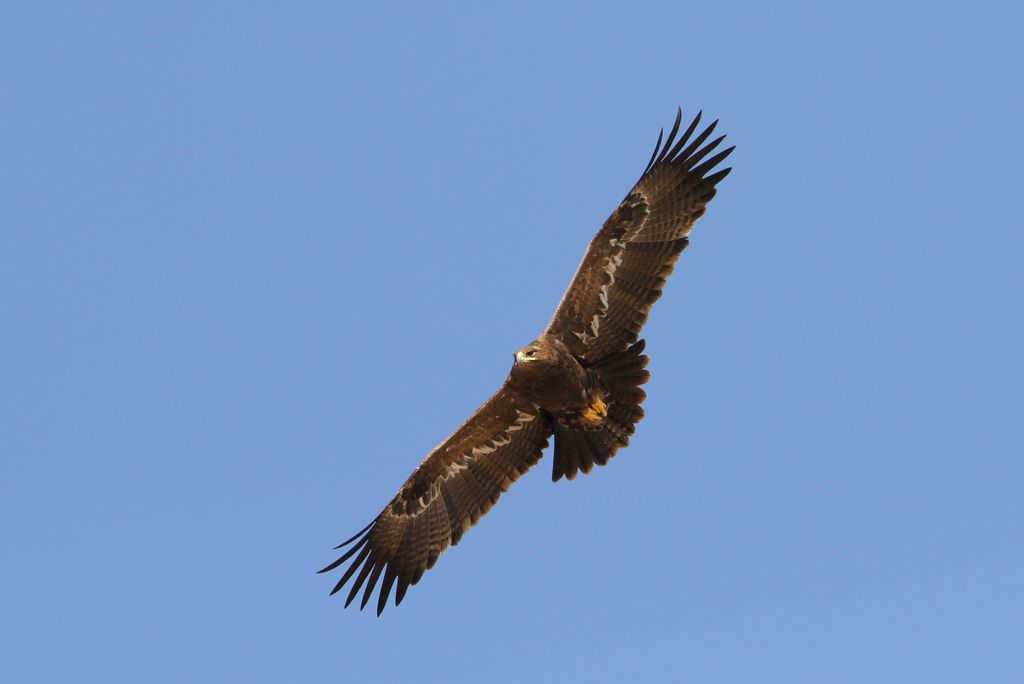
pixel 570 456
pixel 578 451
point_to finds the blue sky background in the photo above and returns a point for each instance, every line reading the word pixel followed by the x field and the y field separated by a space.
pixel 257 260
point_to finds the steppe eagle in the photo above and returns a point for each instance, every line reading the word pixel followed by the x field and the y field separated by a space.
pixel 579 381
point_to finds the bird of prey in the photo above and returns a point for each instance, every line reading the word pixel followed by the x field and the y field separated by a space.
pixel 579 381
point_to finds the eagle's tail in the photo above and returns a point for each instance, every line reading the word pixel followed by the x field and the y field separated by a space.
pixel 623 374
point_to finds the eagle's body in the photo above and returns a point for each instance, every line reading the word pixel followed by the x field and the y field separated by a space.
pixel 579 381
pixel 547 376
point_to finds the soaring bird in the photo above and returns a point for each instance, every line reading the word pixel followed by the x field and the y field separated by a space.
pixel 579 381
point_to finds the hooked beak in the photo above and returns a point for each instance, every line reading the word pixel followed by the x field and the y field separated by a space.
pixel 519 356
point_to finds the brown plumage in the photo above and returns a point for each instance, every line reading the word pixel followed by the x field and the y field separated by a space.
pixel 580 380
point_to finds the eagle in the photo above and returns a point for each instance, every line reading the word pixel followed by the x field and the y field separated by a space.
pixel 579 382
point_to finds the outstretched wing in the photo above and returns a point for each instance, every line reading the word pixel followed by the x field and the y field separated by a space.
pixel 457 483
pixel 624 269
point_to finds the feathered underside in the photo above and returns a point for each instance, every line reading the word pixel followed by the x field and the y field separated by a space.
pixel 624 269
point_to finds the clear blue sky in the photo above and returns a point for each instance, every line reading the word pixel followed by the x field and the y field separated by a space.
pixel 257 260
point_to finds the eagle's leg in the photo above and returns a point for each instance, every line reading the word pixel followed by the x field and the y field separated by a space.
pixel 589 419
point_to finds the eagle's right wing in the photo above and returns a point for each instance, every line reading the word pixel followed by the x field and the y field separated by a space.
pixel 457 483
pixel 624 269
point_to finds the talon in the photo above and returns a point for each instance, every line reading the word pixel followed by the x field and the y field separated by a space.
pixel 596 412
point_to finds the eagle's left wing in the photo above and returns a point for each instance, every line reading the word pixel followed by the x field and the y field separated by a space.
pixel 457 483
pixel 624 269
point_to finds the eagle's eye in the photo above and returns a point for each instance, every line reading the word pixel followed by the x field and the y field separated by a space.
pixel 530 353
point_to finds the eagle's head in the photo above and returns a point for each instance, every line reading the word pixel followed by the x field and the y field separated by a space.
pixel 527 354
pixel 542 351
pixel 533 362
